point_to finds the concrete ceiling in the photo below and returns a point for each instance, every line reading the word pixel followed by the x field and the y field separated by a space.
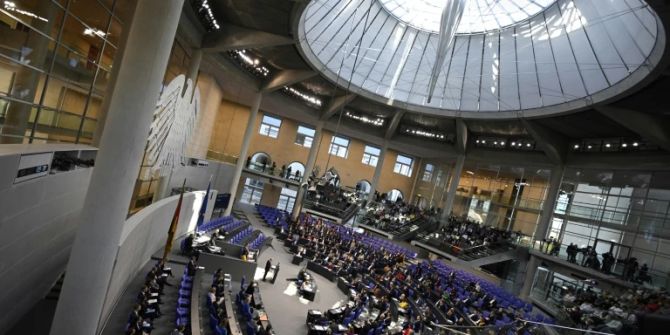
pixel 277 16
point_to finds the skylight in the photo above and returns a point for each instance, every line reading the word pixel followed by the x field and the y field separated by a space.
pixel 479 15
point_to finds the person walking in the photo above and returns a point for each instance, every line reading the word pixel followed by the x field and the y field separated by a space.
pixel 268 265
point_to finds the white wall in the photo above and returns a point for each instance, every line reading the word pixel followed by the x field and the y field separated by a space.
pixel 37 228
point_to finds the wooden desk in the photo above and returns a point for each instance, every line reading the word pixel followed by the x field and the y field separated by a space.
pixel 230 311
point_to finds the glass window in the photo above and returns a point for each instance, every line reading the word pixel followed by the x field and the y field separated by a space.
pixel 428 172
pixel 403 165
pixel 253 191
pixel 270 126
pixel 305 136
pixel 339 146
pixel 371 155
pixel 394 194
pixel 287 199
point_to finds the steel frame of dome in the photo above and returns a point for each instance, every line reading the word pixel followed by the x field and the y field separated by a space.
pixel 622 79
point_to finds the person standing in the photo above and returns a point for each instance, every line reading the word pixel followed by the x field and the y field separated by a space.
pixel 268 266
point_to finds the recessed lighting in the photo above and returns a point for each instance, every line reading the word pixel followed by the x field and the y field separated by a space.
pixel 495 142
pixel 483 142
pixel 469 172
pixel 528 145
pixel 477 141
pixel 589 147
pixel 502 143
pixel 607 145
pixel 624 145
pixel 576 146
pixel 635 144
pixel 513 143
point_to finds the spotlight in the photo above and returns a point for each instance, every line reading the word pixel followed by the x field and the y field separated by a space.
pixel 589 147
pixel 502 143
pixel 624 145
pixel 528 145
pixel 635 144
pixel 576 146
pixel 495 142
pixel 513 143
pixel 607 145
pixel 483 142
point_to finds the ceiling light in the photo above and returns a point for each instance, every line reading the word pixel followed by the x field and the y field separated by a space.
pixel 469 172
pixel 483 142
pixel 477 141
pixel 576 146
pixel 589 147
pixel 528 145
pixel 502 143
pixel 495 142
pixel 513 143
pixel 624 145
pixel 94 32
pixel 635 144
pixel 607 145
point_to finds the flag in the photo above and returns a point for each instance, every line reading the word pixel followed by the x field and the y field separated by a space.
pixel 173 225
pixel 203 208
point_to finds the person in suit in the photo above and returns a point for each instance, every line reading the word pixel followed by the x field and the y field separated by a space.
pixel 268 265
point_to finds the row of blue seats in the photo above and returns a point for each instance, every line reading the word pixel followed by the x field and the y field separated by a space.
pixel 270 215
pixel 240 236
pixel 258 242
pixel 184 300
pixel 226 223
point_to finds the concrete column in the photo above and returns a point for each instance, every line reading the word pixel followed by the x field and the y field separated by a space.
pixel 549 203
pixel 378 170
pixel 242 158
pixel 194 67
pixel 453 185
pixel 93 255
pixel 311 161
pixel 531 268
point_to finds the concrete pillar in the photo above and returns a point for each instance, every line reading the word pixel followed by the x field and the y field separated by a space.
pixel 453 186
pixel 549 203
pixel 93 255
pixel 242 158
pixel 311 161
pixel 531 268
pixel 378 171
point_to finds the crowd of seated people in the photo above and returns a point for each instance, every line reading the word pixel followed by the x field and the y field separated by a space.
pixel 462 234
pixel 147 308
pixel 339 249
pixel 394 216
pixel 613 313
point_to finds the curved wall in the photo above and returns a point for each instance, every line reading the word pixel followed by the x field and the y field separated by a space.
pixel 38 222
pixel 144 234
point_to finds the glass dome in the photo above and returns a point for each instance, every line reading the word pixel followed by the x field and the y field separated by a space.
pixel 478 16
pixel 563 55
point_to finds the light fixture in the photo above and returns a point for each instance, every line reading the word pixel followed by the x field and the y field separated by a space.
pixel 483 141
pixel 469 172
pixel 528 145
pixel 11 6
pixel 477 141
pixel 607 145
pixel 502 143
pixel 576 146
pixel 378 122
pixel 207 10
pixel 513 143
pixel 589 147
pixel 495 142
pixel 94 32
pixel 624 145
pixel 306 97
pixel 635 144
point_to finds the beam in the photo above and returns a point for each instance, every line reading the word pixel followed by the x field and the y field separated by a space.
pixel 554 145
pixel 395 122
pixel 231 37
pixel 461 136
pixel 650 127
pixel 286 78
pixel 335 105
